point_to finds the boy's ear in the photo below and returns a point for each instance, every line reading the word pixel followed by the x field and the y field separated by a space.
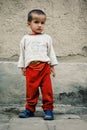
pixel 28 23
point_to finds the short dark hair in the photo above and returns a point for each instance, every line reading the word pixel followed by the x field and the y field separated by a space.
pixel 35 11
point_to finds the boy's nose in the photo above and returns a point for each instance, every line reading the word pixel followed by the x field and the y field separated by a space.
pixel 39 24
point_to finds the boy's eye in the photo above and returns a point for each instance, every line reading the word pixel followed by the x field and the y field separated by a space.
pixel 39 22
pixel 42 22
pixel 36 21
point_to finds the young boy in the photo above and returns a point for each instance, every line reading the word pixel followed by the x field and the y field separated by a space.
pixel 37 60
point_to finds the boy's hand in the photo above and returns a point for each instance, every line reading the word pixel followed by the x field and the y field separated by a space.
pixel 53 71
pixel 23 71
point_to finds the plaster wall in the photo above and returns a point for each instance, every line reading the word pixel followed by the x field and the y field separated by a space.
pixel 66 23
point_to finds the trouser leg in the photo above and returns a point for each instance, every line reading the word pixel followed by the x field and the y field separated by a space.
pixel 46 89
pixel 32 90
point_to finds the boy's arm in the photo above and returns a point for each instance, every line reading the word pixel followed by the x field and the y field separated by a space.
pixel 21 62
pixel 51 53
pixel 52 56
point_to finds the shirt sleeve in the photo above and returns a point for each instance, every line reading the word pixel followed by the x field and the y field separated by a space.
pixel 51 53
pixel 21 62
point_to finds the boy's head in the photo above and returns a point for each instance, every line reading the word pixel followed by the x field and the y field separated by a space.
pixel 36 21
pixel 35 11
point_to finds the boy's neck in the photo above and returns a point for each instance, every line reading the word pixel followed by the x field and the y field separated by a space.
pixel 32 33
pixel 35 33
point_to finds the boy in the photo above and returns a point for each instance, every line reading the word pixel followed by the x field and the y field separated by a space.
pixel 37 60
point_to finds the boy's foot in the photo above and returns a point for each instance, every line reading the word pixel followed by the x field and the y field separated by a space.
pixel 26 113
pixel 49 115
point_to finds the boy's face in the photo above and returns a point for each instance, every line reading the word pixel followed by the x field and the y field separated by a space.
pixel 37 23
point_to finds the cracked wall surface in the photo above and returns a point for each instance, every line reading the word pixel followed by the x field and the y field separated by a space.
pixel 66 23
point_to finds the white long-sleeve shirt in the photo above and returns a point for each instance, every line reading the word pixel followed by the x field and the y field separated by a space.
pixel 36 48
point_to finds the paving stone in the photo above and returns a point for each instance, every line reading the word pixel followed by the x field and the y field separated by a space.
pixel 27 124
pixel 69 122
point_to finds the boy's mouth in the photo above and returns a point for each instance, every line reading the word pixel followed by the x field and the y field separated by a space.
pixel 39 29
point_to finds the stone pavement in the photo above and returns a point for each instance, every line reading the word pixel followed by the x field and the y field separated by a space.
pixel 10 121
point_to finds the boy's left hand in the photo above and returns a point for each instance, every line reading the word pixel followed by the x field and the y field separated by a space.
pixel 53 71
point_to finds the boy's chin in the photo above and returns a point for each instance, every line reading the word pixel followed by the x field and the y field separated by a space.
pixel 38 32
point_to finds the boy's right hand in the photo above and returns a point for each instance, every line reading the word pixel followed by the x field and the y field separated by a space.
pixel 23 71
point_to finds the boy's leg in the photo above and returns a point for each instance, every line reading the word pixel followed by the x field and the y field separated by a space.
pixel 32 90
pixel 46 89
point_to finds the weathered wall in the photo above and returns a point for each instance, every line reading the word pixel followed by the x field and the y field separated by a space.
pixel 66 23
pixel 69 85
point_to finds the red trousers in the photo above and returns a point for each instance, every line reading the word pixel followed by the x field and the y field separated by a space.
pixel 34 80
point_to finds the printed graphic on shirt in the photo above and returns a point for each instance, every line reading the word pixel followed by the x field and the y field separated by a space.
pixel 37 46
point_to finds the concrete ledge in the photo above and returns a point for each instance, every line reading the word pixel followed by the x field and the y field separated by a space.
pixel 70 84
